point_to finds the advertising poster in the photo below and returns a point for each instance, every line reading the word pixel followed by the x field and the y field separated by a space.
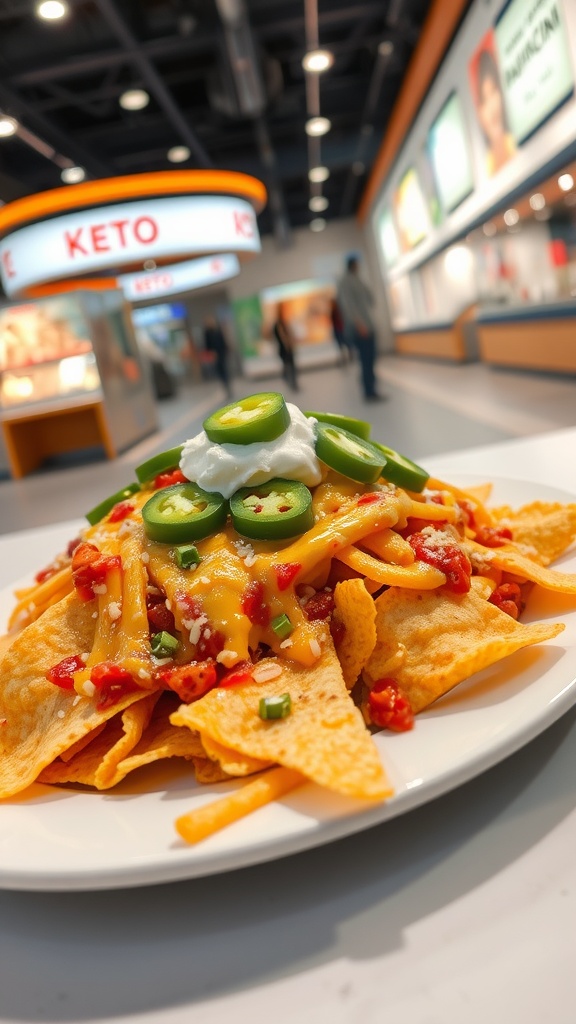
pixel 448 151
pixel 410 210
pixel 305 305
pixel 534 59
pixel 388 238
pixel 486 88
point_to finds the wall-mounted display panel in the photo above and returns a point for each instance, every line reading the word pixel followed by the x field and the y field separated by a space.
pixel 449 153
pixel 410 210
pixel 388 238
pixel 490 109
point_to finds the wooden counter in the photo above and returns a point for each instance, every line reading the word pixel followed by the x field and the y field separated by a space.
pixel 541 338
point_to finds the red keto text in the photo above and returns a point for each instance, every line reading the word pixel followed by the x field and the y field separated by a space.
pixel 110 236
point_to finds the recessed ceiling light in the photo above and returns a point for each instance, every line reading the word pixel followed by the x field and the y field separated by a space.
pixel 72 175
pixel 178 154
pixel 537 201
pixel 318 174
pixel 318 203
pixel 511 217
pixel 134 99
pixel 317 126
pixel 52 10
pixel 386 48
pixel 8 126
pixel 318 224
pixel 489 228
pixel 317 61
pixel 566 182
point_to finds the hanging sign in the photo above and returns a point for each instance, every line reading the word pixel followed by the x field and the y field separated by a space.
pixel 180 277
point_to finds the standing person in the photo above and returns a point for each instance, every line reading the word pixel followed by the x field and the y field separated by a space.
pixel 286 343
pixel 214 341
pixel 339 332
pixel 355 301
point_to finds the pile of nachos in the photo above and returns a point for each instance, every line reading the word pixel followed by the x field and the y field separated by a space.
pixel 264 629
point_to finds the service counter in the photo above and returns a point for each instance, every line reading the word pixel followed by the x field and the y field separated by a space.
pixel 455 341
pixel 539 337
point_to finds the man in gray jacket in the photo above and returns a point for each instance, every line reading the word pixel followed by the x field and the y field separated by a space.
pixel 355 302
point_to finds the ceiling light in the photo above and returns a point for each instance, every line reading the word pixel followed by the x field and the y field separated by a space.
pixel 317 126
pixel 386 48
pixel 489 229
pixel 52 10
pixel 8 126
pixel 72 175
pixel 358 168
pixel 317 61
pixel 178 154
pixel 318 174
pixel 511 217
pixel 134 99
pixel 318 224
pixel 149 264
pixel 318 203
pixel 566 182
pixel 537 201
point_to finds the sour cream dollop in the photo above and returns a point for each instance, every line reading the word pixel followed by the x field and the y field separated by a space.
pixel 227 467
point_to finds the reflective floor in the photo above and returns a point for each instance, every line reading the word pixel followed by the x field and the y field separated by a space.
pixel 429 408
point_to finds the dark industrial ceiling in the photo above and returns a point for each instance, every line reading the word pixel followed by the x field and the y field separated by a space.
pixel 225 79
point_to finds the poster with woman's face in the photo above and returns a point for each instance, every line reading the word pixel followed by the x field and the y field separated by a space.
pixel 486 87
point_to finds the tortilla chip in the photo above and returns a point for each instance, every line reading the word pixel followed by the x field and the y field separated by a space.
pixel 208 772
pixel 324 736
pixel 139 735
pixel 445 639
pixel 481 493
pixel 549 527
pixel 230 761
pixel 511 560
pixel 42 719
pixel 355 609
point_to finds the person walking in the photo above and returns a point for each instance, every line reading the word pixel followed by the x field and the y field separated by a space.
pixel 214 341
pixel 355 301
pixel 285 339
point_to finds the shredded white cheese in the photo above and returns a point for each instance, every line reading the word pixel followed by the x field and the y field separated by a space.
pixel 262 673
pixel 100 588
pixel 88 688
pixel 114 610
pixel 227 657
pixel 315 648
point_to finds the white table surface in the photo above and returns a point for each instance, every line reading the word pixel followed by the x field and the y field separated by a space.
pixel 461 912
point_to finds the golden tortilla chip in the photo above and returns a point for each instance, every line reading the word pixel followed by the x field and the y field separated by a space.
pixel 208 772
pixel 354 608
pixel 324 737
pixel 510 560
pixel 139 735
pixel 445 638
pixel 42 719
pixel 549 527
pixel 230 761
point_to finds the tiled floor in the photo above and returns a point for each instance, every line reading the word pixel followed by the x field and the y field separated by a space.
pixel 431 408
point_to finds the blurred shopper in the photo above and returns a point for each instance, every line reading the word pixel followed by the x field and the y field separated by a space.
pixel 214 341
pixel 286 344
pixel 339 332
pixel 355 302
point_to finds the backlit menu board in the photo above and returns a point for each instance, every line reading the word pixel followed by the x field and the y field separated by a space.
pixel 388 238
pixel 410 211
pixel 447 146
pixel 534 59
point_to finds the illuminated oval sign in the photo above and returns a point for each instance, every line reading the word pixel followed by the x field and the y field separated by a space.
pixel 181 277
pixel 110 237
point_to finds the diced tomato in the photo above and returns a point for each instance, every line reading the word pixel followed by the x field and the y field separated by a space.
pixel 319 606
pixel 493 536
pixel 112 682
pixel 72 545
pixel 174 476
pixel 90 568
pixel 241 673
pixel 209 646
pixel 62 673
pixel 189 681
pixel 159 616
pixel 448 557
pixel 438 498
pixel 189 606
pixel 121 510
pixel 253 604
pixel 508 598
pixel 337 631
pixel 389 707
pixel 468 512
pixel 285 573
pixel 369 498
pixel 46 573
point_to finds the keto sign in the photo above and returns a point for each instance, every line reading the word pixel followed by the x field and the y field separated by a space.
pixel 124 235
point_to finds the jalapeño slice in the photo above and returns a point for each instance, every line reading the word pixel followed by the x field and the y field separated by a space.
pixel 275 510
pixel 159 464
pixel 348 454
pixel 259 417
pixel 402 471
pixel 183 512
pixel 99 511
pixel 358 427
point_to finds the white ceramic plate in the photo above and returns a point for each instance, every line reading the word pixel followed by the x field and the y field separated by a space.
pixel 63 839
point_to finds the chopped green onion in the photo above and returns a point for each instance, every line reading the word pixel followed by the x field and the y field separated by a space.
pixel 163 644
pixel 275 707
pixel 186 556
pixel 282 626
